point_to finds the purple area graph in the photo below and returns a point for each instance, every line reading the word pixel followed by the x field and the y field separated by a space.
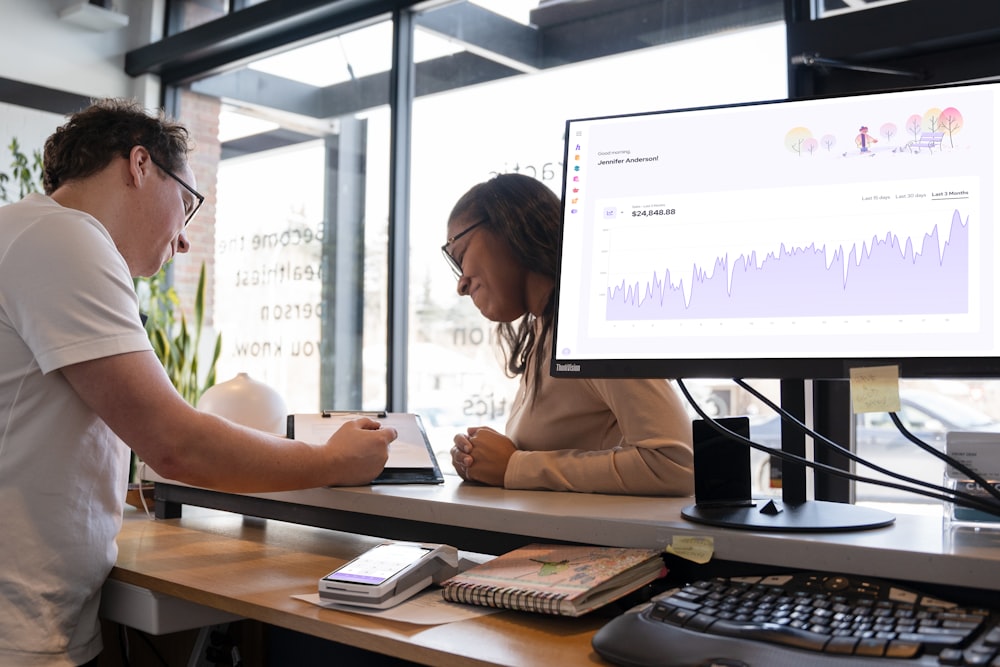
pixel 888 276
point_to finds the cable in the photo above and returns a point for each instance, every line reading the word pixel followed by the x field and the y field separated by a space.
pixel 958 465
pixel 347 61
pixel 123 646
pixel 819 437
pixel 142 496
pixel 149 644
pixel 786 456
pixel 945 495
pixel 126 649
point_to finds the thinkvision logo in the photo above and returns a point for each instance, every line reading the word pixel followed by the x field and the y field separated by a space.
pixel 568 368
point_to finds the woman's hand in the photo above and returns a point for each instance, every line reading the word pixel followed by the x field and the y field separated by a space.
pixel 461 455
pixel 482 455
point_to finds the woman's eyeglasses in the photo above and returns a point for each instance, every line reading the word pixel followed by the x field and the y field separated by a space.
pixel 456 265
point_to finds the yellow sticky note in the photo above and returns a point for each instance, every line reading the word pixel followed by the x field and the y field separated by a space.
pixel 695 549
pixel 875 389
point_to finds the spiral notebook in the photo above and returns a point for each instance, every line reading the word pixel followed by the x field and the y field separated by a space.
pixel 411 458
pixel 566 580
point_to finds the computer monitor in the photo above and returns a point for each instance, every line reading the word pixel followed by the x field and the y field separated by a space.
pixel 785 239
pixel 793 239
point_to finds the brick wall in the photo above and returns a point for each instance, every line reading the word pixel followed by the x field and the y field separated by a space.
pixel 200 114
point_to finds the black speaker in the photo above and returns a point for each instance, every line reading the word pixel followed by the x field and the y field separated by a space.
pixel 721 464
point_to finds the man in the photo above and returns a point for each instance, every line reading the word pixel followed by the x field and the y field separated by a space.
pixel 79 383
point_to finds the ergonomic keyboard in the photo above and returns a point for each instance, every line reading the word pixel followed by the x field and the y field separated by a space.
pixel 799 620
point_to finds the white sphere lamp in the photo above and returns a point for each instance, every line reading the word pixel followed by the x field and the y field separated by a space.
pixel 246 401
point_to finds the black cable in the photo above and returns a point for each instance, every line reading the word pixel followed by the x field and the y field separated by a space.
pixel 123 645
pixel 149 644
pixel 949 495
pixel 819 437
pixel 786 456
pixel 958 465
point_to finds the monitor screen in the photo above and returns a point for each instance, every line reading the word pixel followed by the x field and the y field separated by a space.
pixel 786 239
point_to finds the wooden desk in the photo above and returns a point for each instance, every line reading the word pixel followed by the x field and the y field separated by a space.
pixel 252 567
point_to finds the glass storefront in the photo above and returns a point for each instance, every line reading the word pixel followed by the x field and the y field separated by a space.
pixel 297 230
pixel 300 243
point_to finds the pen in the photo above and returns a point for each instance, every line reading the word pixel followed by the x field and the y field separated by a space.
pixel 377 414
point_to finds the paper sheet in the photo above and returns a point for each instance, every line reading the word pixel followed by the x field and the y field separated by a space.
pixel 409 450
pixel 425 608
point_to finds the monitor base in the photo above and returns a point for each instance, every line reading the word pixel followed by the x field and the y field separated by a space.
pixel 811 516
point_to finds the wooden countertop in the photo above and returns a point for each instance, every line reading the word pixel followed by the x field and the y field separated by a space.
pixel 252 568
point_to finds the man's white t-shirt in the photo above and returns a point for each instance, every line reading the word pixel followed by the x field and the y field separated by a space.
pixel 66 296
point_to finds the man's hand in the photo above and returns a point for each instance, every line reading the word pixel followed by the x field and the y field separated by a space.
pixel 358 451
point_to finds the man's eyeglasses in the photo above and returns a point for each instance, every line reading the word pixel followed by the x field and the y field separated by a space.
pixel 199 198
pixel 456 266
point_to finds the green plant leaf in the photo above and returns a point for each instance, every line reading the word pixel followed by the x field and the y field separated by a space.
pixel 26 172
pixel 175 342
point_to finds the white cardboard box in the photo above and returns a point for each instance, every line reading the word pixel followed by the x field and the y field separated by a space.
pixel 155 613
pixel 979 451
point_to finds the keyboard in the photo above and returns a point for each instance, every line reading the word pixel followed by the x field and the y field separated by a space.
pixel 799 620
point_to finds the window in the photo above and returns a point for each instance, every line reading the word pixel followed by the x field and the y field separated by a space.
pixel 298 242
pixel 516 124
pixel 303 152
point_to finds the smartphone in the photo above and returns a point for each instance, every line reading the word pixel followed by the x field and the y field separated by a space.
pixel 389 573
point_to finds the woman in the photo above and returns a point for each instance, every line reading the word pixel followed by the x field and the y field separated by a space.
pixel 598 436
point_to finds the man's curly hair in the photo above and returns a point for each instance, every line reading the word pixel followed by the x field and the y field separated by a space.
pixel 105 130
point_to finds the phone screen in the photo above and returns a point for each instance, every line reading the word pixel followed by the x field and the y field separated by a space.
pixel 378 564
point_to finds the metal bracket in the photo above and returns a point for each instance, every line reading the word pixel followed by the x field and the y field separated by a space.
pixel 815 60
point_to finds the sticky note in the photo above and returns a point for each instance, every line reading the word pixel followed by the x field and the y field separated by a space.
pixel 875 389
pixel 696 549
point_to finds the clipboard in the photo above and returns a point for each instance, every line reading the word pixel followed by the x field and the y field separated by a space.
pixel 411 459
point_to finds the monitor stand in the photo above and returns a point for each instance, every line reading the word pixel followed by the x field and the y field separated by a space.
pixel 808 516
pixel 793 513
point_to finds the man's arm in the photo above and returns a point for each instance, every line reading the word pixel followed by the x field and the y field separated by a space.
pixel 133 396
